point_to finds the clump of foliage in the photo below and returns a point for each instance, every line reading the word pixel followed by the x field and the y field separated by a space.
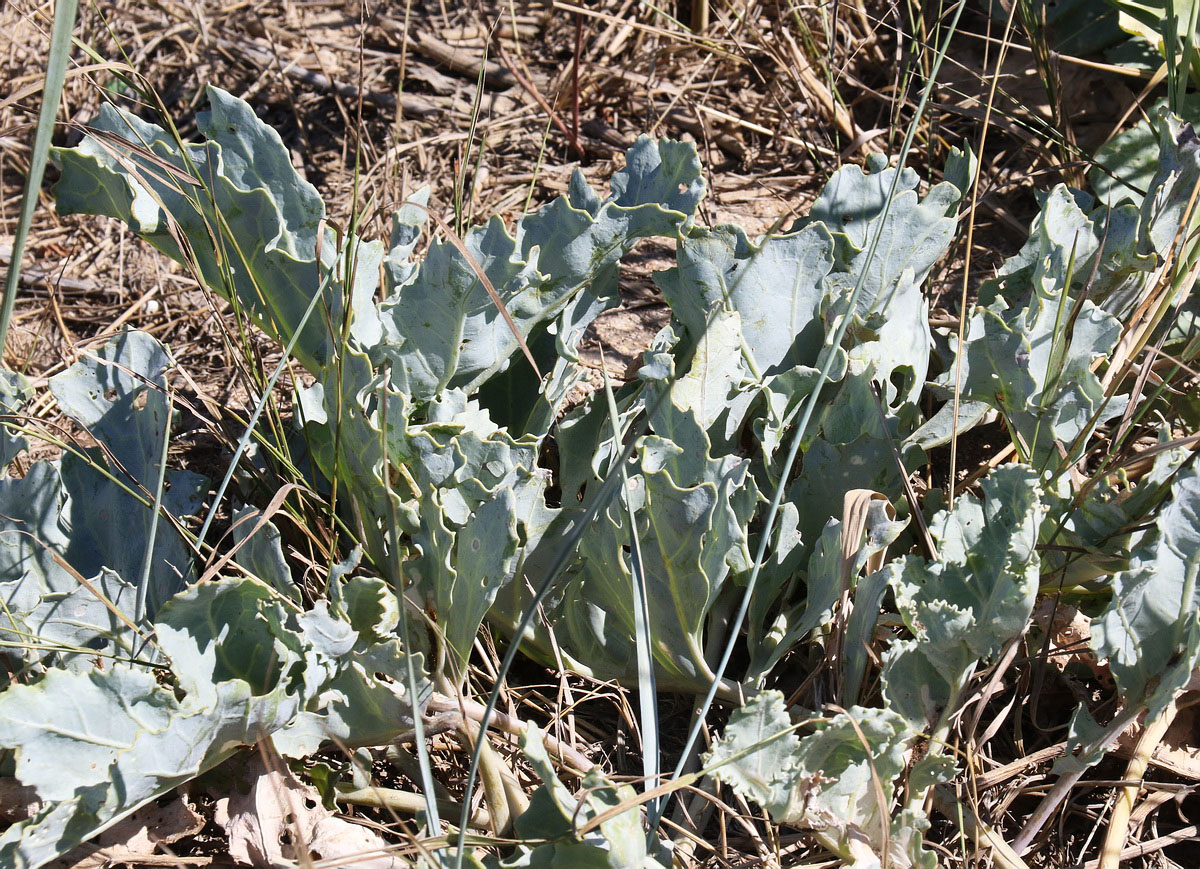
pixel 745 489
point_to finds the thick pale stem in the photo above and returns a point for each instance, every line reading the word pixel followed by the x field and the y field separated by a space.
pixel 405 802
pixel 571 757
pixel 506 801
pixel 1118 824
pixel 985 837
pixel 492 777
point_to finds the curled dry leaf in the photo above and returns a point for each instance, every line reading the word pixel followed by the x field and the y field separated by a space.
pixel 279 817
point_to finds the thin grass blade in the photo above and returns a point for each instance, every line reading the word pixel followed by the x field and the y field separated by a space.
pixel 647 687
pixel 56 73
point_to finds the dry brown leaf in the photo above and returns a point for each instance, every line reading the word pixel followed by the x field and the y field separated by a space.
pixel 281 817
pixel 137 837
pixel 1070 642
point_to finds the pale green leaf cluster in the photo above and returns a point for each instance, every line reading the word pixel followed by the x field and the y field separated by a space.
pixel 966 606
pixel 555 814
pixel 103 713
pixel 89 514
pixel 97 744
pixel 466 478
pixel 830 781
pixel 1150 633
pixel 844 779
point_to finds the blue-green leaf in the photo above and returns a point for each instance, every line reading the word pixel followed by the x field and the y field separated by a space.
pixel 1150 633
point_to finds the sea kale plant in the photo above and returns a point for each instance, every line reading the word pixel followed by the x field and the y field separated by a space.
pixel 642 533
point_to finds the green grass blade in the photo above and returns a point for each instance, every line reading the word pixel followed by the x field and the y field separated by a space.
pixel 56 73
pixel 647 686
pixel 139 612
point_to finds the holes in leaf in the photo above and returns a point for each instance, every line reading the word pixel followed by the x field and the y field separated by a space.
pixel 110 394
pixel 900 379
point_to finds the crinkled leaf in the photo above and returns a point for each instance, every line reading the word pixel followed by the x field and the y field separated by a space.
pixel 1038 372
pixel 774 286
pixel 713 391
pixel 1127 163
pixel 74 623
pixel 1061 234
pixel 1170 194
pixel 364 702
pixel 766 774
pixel 371 607
pixel 462 569
pixel 988 563
pixel 824 782
pixel 966 606
pixel 252 225
pixel 913 236
pixel 442 330
pixel 692 512
pixel 243 670
pixel 76 517
pixel 1150 632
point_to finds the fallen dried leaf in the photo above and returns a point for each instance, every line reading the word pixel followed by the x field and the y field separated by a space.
pixel 280 817
pixel 137 837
